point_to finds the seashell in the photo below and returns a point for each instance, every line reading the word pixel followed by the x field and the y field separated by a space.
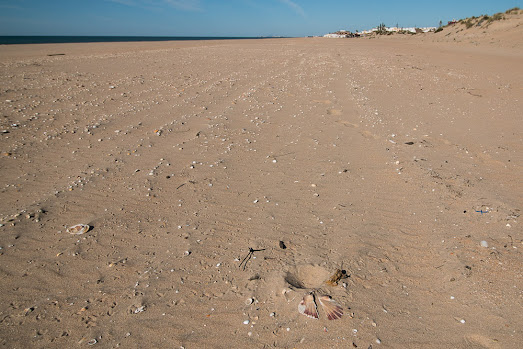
pixel 332 309
pixel 78 229
pixel 307 306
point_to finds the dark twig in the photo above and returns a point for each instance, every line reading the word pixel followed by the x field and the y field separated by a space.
pixel 248 257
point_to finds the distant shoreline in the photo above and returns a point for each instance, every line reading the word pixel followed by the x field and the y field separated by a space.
pixel 49 39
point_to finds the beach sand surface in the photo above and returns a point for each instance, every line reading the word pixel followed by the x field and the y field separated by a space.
pixel 399 161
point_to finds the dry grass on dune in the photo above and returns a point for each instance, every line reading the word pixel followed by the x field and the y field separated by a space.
pixel 501 29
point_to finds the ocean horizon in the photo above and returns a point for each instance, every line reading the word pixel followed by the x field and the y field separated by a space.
pixel 65 39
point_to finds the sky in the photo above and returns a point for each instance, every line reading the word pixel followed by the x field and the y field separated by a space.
pixel 230 17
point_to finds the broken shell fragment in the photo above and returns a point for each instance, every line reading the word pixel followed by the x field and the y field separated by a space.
pixel 307 306
pixel 78 229
pixel 332 309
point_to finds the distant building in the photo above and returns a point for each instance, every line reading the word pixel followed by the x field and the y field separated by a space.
pixel 340 34
pixel 348 34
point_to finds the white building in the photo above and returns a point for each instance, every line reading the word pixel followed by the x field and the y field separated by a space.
pixel 334 35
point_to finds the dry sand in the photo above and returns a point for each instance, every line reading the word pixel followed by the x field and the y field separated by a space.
pixel 373 156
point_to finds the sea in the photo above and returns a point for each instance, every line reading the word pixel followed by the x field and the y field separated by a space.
pixel 12 40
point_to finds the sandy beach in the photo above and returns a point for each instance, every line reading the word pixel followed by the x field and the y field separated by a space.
pixel 398 160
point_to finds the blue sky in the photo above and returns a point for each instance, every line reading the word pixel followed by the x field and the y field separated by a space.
pixel 229 17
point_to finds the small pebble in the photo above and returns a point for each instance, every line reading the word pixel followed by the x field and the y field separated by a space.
pixel 246 322
pixel 484 243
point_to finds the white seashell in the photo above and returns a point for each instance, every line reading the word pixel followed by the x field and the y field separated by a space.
pixel 308 307
pixel 139 309
pixel 78 229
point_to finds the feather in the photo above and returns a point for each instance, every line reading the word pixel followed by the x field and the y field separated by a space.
pixel 332 309
pixel 308 307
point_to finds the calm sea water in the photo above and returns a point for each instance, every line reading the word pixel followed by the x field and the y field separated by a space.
pixel 10 40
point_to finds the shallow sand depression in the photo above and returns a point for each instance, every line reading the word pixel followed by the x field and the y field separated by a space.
pixel 395 160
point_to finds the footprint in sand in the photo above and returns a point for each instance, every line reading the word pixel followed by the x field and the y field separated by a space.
pixel 346 123
pixel 334 111
pixel 369 135
pixel 322 101
pixel 477 341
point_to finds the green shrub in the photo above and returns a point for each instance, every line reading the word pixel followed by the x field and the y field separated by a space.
pixel 469 23
pixel 438 30
pixel 498 16
pixel 512 10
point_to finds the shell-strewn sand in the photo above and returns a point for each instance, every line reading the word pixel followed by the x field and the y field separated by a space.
pixel 391 159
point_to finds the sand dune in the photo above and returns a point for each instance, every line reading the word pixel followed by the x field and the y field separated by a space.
pixel 500 30
pixel 391 159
